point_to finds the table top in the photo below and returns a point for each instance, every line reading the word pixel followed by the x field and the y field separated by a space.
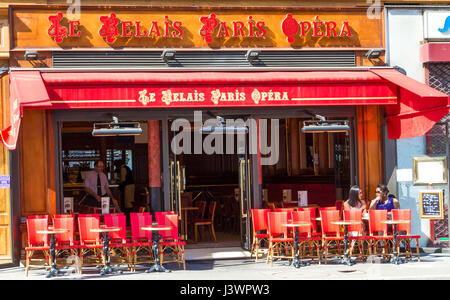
pixel 396 221
pixel 156 228
pixel 296 224
pixel 106 229
pixel 52 231
pixel 190 208
pixel 346 222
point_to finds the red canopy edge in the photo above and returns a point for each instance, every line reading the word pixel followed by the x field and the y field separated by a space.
pixel 419 108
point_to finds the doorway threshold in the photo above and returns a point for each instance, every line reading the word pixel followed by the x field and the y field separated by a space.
pixel 215 253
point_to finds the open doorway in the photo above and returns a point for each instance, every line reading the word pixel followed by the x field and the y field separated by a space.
pixel 210 184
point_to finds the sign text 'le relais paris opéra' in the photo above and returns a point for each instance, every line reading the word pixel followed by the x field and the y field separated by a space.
pixel 210 27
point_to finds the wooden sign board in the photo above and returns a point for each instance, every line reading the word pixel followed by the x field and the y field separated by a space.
pixel 431 204
pixel 184 28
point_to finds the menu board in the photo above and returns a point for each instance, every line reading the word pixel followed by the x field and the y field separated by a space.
pixel 431 204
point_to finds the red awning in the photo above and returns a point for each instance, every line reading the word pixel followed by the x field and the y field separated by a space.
pixel 27 90
pixel 406 99
pixel 419 108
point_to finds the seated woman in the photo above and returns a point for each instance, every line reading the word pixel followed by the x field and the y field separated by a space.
pixel 354 199
pixel 383 200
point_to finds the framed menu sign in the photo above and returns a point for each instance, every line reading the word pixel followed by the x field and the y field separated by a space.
pixel 431 204
pixel 429 170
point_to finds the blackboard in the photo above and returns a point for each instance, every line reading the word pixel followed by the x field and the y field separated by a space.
pixel 431 204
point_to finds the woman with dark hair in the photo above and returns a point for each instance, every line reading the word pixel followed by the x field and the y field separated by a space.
pixel 383 200
pixel 354 199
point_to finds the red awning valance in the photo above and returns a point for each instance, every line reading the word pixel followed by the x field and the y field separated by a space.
pixel 405 99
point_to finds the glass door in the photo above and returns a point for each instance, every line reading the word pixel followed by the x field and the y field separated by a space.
pixel 177 185
pixel 245 188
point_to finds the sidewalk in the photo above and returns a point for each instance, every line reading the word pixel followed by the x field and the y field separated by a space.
pixel 432 266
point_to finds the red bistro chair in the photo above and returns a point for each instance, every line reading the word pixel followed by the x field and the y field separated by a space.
pixel 278 235
pixel 90 242
pixel 406 237
pixel 340 206
pixel 260 226
pixel 209 221
pixel 355 232
pixel 306 238
pixel 312 213
pixel 327 208
pixel 172 240
pixel 65 242
pixel 141 240
pixel 331 233
pixel 37 242
pixel 379 230
pixel 119 242
pixel 160 216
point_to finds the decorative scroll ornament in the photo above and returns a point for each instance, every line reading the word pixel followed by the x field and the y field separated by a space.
pixel 56 30
pixel 209 24
pixel 290 27
pixel 109 28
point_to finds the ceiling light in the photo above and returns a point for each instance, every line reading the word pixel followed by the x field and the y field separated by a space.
pixel 320 126
pixel 116 129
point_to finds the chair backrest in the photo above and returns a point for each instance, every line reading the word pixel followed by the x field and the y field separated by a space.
pixel 312 212
pixel 64 222
pixel 139 220
pixel 376 218
pixel 142 209
pixel 302 217
pixel 271 206
pixel 402 214
pixel 339 204
pixel 328 216
pixel 211 210
pixel 97 216
pixel 287 209
pixel 160 216
pixel 354 215
pixel 172 221
pixel 275 221
pixel 34 224
pixel 201 208
pixel 117 220
pixel 85 224
pixel 259 219
pixel 328 208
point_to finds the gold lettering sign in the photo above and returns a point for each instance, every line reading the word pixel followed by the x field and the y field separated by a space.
pixel 195 28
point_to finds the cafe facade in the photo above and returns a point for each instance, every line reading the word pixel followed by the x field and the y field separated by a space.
pixel 162 66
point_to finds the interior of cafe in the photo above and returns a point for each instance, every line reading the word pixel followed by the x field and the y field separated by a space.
pixel 318 163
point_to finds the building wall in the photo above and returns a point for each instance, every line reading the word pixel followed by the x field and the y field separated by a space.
pixel 405 34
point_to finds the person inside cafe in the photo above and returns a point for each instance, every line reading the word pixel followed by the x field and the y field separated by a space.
pixel 127 186
pixel 96 186
pixel 355 200
pixel 383 199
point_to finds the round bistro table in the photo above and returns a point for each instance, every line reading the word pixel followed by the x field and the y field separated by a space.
pixel 185 211
pixel 395 259
pixel 346 259
pixel 297 262
pixel 107 269
pixel 156 237
pixel 52 231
